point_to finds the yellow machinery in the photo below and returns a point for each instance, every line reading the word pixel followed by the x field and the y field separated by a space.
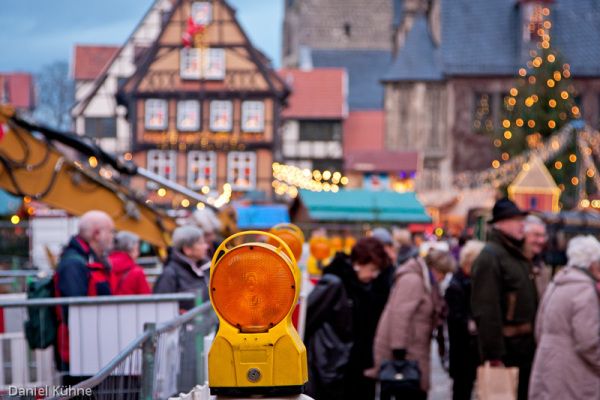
pixel 254 288
pixel 32 165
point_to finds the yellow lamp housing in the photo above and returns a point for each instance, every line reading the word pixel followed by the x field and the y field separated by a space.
pixel 291 235
pixel 254 288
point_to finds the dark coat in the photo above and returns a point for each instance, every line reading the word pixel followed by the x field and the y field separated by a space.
pixel 340 326
pixel 128 277
pixel 464 355
pixel 504 296
pixel 80 272
pixel 178 276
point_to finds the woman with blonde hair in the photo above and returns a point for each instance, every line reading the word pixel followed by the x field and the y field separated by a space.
pixel 567 331
pixel 414 309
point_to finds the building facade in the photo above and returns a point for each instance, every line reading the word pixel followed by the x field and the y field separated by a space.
pixel 204 104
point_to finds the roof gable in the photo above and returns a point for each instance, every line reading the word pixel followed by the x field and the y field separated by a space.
pixel 537 178
pixel 90 61
pixel 418 59
pixel 246 68
pixel 316 94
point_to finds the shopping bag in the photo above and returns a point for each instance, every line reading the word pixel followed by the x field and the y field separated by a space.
pixel 497 383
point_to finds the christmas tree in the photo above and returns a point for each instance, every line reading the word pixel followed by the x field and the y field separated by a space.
pixel 542 101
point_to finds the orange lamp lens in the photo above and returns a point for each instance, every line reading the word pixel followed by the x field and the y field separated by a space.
pixel 319 248
pixel 290 238
pixel 252 288
pixel 337 243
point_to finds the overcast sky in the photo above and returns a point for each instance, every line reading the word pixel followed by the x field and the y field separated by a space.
pixel 34 33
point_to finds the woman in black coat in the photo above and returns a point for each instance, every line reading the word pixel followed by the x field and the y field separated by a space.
pixel 464 355
pixel 341 324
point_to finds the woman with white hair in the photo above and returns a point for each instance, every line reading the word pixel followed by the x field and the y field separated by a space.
pixel 128 277
pixel 567 360
pixel 188 267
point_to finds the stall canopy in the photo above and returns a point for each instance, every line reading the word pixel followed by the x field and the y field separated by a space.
pixel 261 216
pixel 363 205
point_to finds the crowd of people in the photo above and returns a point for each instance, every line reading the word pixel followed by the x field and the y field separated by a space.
pixel 385 301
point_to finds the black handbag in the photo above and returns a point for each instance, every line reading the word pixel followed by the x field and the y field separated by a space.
pixel 400 377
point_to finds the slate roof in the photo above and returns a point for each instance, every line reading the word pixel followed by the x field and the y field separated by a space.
pixel 316 94
pixel 89 61
pixel 419 59
pixel 363 205
pixel 364 130
pixel 484 37
pixel 365 69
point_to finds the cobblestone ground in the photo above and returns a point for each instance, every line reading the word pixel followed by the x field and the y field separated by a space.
pixel 441 384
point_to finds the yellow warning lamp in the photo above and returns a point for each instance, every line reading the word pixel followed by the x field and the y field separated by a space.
pixel 337 244
pixel 254 288
pixel 291 235
pixel 319 247
pixel 349 243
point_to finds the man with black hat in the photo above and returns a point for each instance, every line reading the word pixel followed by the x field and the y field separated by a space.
pixel 504 299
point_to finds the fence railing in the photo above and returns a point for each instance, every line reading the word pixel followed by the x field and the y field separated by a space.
pixel 132 347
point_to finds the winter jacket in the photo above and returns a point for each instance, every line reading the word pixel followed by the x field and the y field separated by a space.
pixel 80 272
pixel 464 355
pixel 409 318
pixel 179 276
pixel 340 325
pixel 567 360
pixel 504 298
pixel 128 277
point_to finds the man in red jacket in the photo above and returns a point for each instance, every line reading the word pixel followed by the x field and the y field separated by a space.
pixel 83 271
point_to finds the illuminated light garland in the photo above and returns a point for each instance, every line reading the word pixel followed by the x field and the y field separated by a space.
pixel 289 178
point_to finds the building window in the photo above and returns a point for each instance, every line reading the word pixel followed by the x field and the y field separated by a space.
pixel 99 128
pixel 191 65
pixel 156 114
pixel 202 168
pixel 320 130
pixel 201 12
pixel 241 170
pixel 214 67
pixel 253 116
pixel 188 115
pixel 221 116
pixel 162 163
pixel 533 19
pixel 484 113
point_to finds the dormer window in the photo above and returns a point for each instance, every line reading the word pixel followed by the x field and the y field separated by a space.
pixel 201 12
pixel 533 13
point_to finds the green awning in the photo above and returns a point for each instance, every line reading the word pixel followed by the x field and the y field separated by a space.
pixel 364 205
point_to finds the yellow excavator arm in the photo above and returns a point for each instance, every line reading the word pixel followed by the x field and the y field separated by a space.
pixel 32 165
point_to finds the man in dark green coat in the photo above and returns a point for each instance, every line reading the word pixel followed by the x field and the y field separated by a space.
pixel 504 299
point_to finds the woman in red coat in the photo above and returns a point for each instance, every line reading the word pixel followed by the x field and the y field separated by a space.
pixel 127 276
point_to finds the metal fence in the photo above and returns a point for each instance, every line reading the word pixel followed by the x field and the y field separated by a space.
pixel 162 358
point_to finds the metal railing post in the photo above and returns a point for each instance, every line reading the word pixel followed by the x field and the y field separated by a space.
pixel 199 339
pixel 148 350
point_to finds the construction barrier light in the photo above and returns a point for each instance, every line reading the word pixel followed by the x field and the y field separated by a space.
pixel 254 288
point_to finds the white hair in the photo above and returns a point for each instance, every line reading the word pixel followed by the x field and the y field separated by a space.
pixel 470 251
pixel 533 219
pixel 126 241
pixel 186 236
pixel 582 251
